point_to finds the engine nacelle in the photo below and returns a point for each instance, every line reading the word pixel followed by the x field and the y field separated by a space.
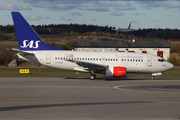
pixel 115 72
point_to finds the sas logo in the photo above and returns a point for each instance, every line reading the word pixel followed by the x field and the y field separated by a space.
pixel 30 44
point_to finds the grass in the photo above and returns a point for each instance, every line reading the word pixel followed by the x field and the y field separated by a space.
pixel 50 72
pixel 44 72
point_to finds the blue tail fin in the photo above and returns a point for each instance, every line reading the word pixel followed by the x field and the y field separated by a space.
pixel 28 39
pixel 129 26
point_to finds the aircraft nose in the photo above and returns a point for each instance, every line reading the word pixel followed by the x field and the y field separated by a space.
pixel 170 66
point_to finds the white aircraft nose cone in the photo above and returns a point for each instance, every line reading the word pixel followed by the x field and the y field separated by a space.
pixel 170 66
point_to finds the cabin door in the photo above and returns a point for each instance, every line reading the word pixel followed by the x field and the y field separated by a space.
pixel 149 61
pixel 48 59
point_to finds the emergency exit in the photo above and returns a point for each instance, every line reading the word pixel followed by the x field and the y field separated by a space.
pixel 48 59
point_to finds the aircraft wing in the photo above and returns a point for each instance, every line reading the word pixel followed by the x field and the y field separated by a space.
pixel 89 65
pixel 20 52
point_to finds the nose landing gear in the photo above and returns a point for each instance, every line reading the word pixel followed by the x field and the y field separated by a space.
pixel 154 74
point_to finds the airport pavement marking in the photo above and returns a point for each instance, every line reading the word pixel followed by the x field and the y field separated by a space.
pixel 5 85
pixel 122 87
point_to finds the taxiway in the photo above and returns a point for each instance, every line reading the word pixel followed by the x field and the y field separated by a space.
pixel 80 98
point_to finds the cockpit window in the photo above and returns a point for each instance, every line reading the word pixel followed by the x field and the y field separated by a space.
pixel 161 60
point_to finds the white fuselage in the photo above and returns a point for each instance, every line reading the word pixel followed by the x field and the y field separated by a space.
pixel 133 62
pixel 113 64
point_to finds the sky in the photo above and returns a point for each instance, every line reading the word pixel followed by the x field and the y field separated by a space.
pixel 140 13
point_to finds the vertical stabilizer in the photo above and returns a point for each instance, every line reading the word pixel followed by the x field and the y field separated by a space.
pixel 129 26
pixel 28 39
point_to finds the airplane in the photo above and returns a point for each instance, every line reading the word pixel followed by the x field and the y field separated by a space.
pixel 112 64
pixel 124 29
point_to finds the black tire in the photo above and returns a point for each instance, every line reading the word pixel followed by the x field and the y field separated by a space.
pixel 152 78
pixel 92 77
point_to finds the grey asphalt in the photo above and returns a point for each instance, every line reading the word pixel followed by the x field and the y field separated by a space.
pixel 56 98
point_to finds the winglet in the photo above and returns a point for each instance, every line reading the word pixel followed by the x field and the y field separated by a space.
pixel 28 39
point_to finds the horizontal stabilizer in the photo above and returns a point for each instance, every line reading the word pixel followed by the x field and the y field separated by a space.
pixel 20 52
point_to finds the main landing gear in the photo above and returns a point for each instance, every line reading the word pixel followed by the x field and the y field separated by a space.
pixel 92 76
pixel 152 77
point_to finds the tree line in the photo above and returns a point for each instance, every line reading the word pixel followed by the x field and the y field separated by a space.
pixel 158 33
pixel 8 32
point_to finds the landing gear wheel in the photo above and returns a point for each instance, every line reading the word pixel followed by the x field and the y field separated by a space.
pixel 92 77
pixel 152 78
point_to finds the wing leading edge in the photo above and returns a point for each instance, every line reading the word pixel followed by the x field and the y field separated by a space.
pixel 90 66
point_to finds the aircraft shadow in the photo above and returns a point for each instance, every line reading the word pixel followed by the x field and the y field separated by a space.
pixel 11 108
pixel 122 78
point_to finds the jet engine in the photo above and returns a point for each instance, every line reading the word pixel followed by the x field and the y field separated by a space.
pixel 115 71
